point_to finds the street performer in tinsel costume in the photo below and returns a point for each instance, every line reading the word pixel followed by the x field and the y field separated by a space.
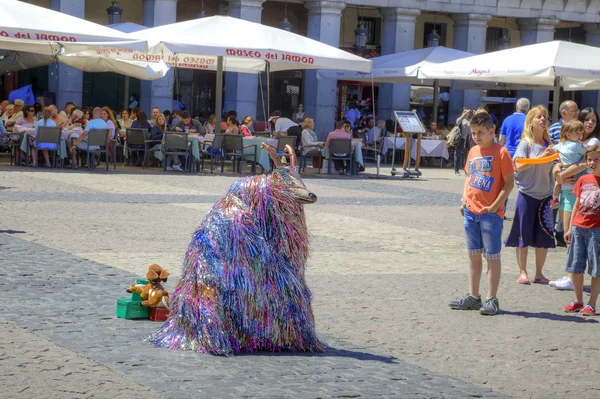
pixel 242 286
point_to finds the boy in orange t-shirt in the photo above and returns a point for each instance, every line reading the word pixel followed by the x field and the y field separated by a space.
pixel 489 181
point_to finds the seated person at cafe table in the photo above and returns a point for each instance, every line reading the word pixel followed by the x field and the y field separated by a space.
pixel 342 130
pixel 245 127
pixel 281 124
pixel 310 142
pixel 432 132
pixel 373 134
pixel 96 123
pixel 141 122
pixel 232 125
pixel 17 114
pixel 188 125
pixel 48 122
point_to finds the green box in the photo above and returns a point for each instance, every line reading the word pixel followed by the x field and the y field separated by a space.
pixel 130 309
pixel 134 295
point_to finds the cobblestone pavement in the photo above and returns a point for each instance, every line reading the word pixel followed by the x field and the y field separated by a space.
pixel 386 257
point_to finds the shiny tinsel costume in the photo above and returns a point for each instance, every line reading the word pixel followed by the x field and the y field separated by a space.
pixel 242 287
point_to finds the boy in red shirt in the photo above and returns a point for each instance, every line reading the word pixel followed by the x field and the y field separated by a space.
pixel 583 236
pixel 490 179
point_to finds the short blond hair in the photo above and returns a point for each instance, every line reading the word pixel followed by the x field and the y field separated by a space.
pixel 308 123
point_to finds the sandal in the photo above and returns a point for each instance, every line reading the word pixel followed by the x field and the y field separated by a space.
pixel 523 280
pixel 541 280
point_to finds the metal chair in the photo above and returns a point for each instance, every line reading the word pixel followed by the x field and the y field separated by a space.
pixel 139 139
pixel 14 146
pixel 48 139
pixel 176 144
pixel 343 149
pixel 97 143
pixel 214 149
pixel 311 153
pixel 234 149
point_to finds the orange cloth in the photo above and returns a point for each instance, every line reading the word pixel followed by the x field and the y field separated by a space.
pixel 486 168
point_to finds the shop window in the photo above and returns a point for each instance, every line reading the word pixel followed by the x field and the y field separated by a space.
pixel 491 39
pixel 373 27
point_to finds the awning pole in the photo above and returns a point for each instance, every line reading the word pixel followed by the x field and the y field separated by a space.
pixel 555 100
pixel 436 99
pixel 219 93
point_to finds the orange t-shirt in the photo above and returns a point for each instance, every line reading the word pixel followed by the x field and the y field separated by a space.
pixel 486 168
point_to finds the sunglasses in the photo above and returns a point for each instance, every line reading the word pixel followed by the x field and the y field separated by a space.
pixel 31 110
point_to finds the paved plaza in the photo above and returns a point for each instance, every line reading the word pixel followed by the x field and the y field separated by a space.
pixel 386 256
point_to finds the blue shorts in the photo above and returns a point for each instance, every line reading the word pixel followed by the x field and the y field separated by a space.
pixel 585 247
pixel 483 234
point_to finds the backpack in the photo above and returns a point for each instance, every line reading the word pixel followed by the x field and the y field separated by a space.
pixel 455 137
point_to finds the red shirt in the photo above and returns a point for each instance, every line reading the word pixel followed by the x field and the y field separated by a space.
pixel 486 168
pixel 337 134
pixel 245 131
pixel 587 189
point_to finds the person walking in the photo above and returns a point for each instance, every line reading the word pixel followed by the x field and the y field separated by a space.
pixel 463 122
pixel 489 181
pixel 512 127
pixel 533 225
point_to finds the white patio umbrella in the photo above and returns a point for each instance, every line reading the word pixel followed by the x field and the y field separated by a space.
pixel 403 68
pixel 227 40
pixel 574 66
pixel 39 36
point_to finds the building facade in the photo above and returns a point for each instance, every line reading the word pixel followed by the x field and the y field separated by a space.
pixel 392 26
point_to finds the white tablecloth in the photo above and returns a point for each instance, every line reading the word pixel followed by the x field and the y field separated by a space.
pixel 388 144
pixel 430 149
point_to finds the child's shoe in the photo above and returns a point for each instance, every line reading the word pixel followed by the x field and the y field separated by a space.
pixel 554 204
pixel 588 311
pixel 467 302
pixel 564 284
pixel 574 307
pixel 491 307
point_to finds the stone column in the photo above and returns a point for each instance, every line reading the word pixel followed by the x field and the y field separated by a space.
pixel 470 32
pixel 320 95
pixel 591 98
pixel 536 30
pixel 65 81
pixel 398 36
pixel 158 93
pixel 241 89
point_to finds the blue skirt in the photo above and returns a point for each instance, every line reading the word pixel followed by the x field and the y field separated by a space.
pixel 533 225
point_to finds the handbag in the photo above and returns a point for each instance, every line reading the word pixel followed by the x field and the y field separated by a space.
pixel 455 137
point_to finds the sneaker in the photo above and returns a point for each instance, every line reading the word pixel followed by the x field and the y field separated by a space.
pixel 467 302
pixel 169 169
pixel 588 311
pixel 574 307
pixel 564 285
pixel 554 204
pixel 553 283
pixel 491 307
pixel 177 168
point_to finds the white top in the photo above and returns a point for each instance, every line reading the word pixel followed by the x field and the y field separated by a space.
pixel 283 124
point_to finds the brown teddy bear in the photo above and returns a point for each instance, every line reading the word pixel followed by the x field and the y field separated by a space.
pixel 153 294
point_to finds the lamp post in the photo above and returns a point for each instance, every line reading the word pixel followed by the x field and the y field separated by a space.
pixel 285 24
pixel 202 12
pixel 114 13
pixel 360 37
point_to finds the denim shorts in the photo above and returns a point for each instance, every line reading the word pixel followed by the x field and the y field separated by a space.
pixel 567 200
pixel 483 234
pixel 585 247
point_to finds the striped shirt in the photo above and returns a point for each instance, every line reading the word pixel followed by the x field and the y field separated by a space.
pixel 554 131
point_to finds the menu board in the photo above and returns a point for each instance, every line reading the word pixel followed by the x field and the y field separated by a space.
pixel 409 122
